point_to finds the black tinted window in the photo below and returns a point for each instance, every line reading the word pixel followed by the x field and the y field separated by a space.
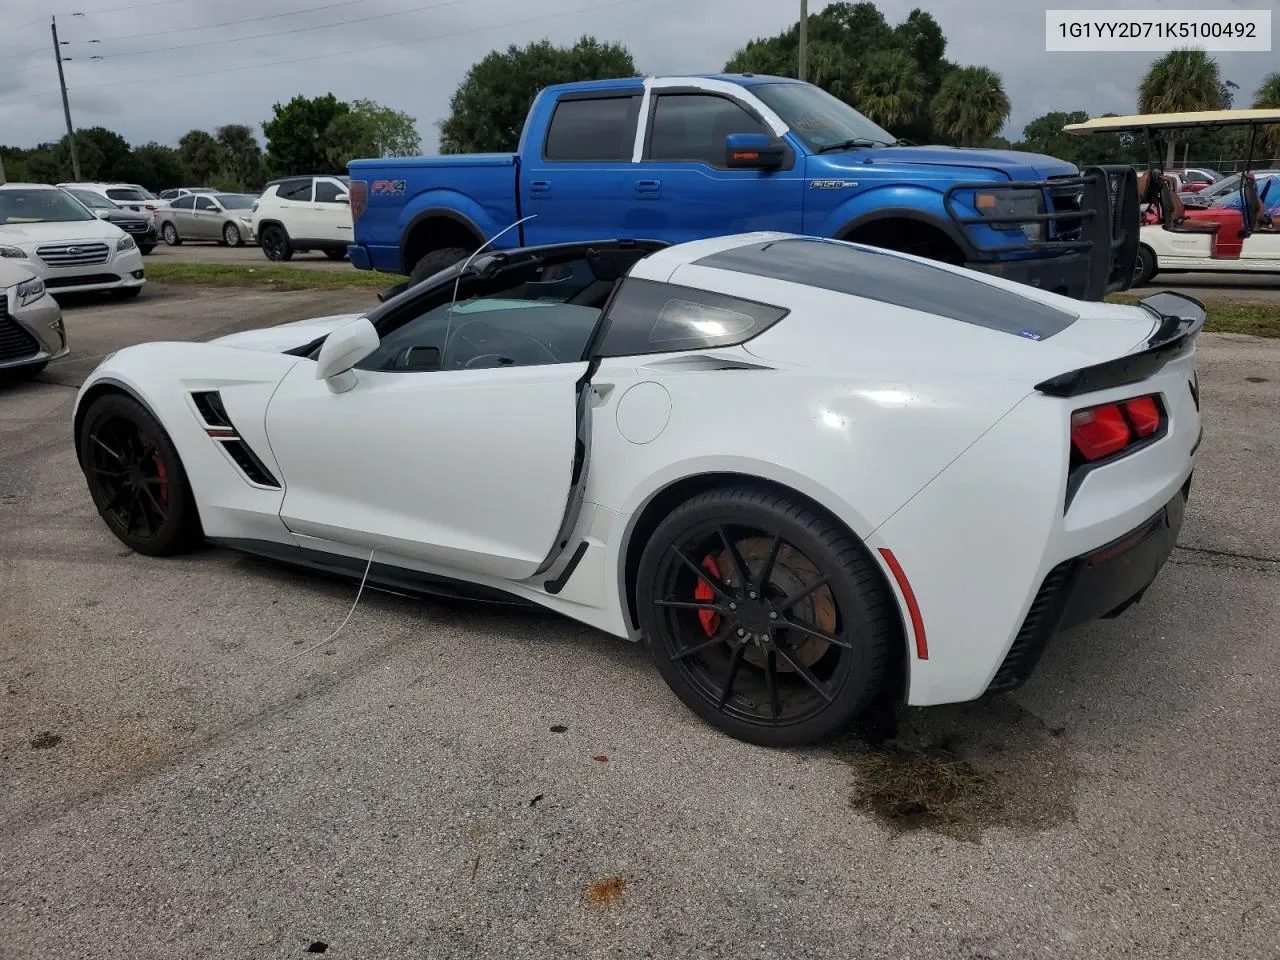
pixel 597 129
pixel 652 317
pixel 888 278
pixel 204 203
pixel 184 203
pixel 693 126
pixel 125 193
pixel 294 190
pixel 327 191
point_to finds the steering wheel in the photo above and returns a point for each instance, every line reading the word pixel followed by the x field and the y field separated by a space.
pixel 493 333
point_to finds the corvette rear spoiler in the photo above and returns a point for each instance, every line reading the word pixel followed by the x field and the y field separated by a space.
pixel 1179 319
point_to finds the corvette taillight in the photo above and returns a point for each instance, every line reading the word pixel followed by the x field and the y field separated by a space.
pixel 1099 432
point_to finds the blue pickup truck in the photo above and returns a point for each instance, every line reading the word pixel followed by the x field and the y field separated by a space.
pixel 680 158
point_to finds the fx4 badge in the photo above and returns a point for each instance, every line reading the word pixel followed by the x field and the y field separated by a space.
pixel 392 187
pixel 832 184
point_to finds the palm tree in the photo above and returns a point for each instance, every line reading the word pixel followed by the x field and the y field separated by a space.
pixel 1182 81
pixel 971 106
pixel 1268 95
pixel 890 87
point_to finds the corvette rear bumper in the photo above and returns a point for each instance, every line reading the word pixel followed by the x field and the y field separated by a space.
pixel 1100 584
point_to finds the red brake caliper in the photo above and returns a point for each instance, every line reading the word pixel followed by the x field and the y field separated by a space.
pixel 704 594
pixel 164 481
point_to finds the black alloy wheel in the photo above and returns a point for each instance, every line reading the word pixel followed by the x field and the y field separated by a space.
pixel 135 477
pixel 764 617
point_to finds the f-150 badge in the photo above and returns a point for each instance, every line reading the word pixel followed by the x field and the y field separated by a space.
pixel 832 184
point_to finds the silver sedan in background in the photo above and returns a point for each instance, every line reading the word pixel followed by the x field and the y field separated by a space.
pixel 222 217
pixel 31 330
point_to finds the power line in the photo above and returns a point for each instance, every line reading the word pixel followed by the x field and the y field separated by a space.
pixel 225 23
pixel 343 53
pixel 281 33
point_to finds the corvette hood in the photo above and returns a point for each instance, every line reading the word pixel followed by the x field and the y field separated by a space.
pixel 286 336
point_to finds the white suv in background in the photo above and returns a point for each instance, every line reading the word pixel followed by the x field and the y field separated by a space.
pixel 297 214
pixel 130 196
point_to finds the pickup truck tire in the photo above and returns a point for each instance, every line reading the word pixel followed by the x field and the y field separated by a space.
pixel 435 261
pixel 275 243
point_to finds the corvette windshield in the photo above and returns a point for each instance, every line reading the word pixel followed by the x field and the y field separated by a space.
pixel 818 118
pixel 41 206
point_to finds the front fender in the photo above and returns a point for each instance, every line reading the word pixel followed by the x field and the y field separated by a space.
pixel 161 377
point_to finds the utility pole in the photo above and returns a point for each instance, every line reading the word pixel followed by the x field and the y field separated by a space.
pixel 66 104
pixel 804 39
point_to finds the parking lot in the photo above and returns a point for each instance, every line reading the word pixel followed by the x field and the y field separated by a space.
pixel 450 780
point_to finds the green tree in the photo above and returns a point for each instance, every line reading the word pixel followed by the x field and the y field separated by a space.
pixel 1268 96
pixel 200 154
pixel 296 135
pixel 890 88
pixel 890 73
pixel 488 110
pixel 371 130
pixel 241 156
pixel 971 106
pixel 1182 81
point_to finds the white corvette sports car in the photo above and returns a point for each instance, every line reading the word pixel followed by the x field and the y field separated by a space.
pixel 808 473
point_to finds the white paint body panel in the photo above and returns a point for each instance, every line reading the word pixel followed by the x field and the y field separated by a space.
pixel 920 433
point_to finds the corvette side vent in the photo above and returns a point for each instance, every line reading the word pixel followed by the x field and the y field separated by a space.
pixel 252 467
pixel 221 430
pixel 209 403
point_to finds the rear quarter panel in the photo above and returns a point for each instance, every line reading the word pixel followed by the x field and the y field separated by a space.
pixel 480 189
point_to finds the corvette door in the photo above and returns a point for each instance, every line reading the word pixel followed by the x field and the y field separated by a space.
pixel 455 446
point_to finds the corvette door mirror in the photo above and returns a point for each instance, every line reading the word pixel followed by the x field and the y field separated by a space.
pixel 343 349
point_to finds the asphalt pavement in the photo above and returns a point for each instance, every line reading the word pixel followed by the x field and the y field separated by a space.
pixel 450 780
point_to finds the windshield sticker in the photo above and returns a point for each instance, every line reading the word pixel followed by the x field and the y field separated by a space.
pixel 1030 334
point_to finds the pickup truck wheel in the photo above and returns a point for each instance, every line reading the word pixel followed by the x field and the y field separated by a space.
pixel 435 261
pixel 275 244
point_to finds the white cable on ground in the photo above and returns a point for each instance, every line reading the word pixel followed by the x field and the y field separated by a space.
pixel 332 636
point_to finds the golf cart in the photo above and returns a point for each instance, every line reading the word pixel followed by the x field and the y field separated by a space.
pixel 1238 233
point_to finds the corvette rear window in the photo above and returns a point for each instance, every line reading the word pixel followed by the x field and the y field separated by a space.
pixel 891 279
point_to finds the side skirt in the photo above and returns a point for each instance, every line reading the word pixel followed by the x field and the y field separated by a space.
pixel 382 576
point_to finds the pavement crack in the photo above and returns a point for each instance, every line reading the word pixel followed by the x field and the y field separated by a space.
pixel 1229 555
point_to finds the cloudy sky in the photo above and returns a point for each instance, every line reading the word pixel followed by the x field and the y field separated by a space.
pixel 170 65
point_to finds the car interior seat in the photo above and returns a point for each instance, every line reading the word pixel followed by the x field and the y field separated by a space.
pixel 1176 213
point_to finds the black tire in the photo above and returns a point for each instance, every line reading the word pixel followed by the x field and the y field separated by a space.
pixel 437 260
pixel 1144 267
pixel 697 657
pixel 118 436
pixel 170 234
pixel 231 236
pixel 339 254
pixel 146 248
pixel 275 244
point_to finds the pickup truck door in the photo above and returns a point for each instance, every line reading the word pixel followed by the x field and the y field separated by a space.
pixel 456 445
pixel 578 180
pixel 683 189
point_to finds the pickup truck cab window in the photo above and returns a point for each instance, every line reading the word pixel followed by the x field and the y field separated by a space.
pixel 693 126
pixel 592 129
